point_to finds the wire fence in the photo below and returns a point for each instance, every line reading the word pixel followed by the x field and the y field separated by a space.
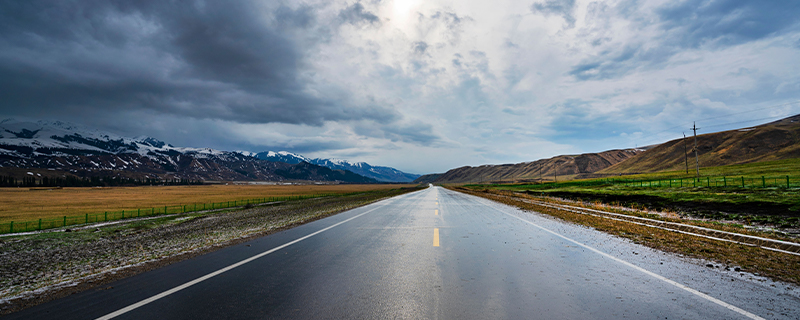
pixel 50 223
pixel 708 182
pixel 744 182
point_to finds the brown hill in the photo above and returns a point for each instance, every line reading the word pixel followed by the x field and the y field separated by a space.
pixel 559 167
pixel 772 141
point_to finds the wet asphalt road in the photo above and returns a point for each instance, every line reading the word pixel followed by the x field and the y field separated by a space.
pixel 380 261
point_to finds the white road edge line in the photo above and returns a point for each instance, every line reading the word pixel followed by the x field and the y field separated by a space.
pixel 216 273
pixel 645 271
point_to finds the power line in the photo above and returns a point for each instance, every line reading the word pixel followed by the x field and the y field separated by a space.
pixel 652 137
pixel 759 109
pixel 738 122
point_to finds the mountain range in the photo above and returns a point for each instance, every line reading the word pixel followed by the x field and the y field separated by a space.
pixel 379 173
pixel 59 149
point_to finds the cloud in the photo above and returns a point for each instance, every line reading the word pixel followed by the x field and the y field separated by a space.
pixel 207 60
pixel 420 47
pixel 421 85
pixel 416 132
pixel 668 30
pixel 561 8
pixel 693 23
pixel 356 15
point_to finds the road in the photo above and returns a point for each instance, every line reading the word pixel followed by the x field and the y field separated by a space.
pixel 432 254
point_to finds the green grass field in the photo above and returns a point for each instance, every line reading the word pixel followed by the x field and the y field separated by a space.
pixel 767 196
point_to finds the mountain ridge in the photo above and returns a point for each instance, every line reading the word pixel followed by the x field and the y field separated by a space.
pixel 380 173
pixel 775 140
pixel 564 166
pixel 64 149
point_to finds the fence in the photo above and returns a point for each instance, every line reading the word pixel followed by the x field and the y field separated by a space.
pixel 701 182
pixel 707 182
pixel 42 224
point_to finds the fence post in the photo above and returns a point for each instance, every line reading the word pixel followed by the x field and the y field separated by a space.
pixel 138 212
pixel 787 182
pixel 11 227
pixel 165 209
pixel 106 215
pixel 708 182
pixel 40 223
pixel 763 182
pixel 724 181
pixel 742 182
pixel 65 221
pixel 86 218
pixel 123 214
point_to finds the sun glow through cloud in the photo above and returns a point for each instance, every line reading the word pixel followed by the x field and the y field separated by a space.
pixel 402 12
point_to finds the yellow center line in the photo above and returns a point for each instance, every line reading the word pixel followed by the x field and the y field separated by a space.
pixel 436 212
pixel 435 237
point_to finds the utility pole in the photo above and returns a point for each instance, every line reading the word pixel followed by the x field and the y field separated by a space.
pixel 555 172
pixel 685 155
pixel 696 159
pixel 540 172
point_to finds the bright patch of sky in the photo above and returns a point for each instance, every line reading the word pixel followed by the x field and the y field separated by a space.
pixel 422 86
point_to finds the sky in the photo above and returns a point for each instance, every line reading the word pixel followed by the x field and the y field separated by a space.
pixel 422 86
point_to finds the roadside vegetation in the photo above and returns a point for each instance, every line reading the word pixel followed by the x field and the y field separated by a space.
pixel 765 194
pixel 44 266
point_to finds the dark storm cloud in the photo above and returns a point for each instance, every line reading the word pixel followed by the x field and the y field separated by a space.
pixel 207 60
pixel 356 15
pixel 561 8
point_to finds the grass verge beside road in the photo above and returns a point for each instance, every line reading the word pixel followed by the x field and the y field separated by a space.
pixel 21 204
pixel 759 194
pixel 60 263
pixel 775 265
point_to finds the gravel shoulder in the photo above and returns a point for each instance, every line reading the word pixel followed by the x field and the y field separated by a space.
pixel 36 268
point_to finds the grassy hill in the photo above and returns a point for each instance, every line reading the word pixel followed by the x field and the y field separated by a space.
pixel 772 141
pixel 556 168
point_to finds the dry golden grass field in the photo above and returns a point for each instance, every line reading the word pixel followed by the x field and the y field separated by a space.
pixel 21 204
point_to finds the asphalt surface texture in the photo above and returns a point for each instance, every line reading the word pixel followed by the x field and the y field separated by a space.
pixel 433 254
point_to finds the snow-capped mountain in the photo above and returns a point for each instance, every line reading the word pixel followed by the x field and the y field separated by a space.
pixel 62 148
pixel 379 173
pixel 282 156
